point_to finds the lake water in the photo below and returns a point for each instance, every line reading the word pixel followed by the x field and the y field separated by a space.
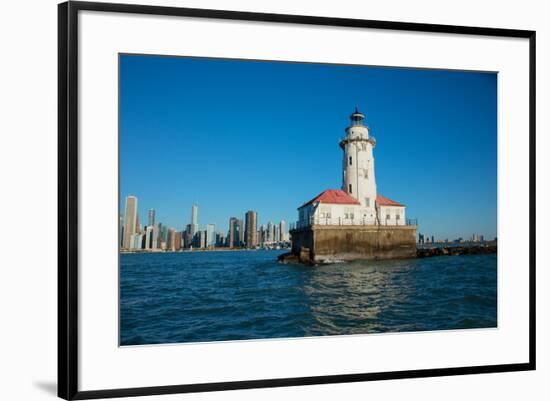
pixel 238 295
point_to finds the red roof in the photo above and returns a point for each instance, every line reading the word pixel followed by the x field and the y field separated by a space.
pixel 337 196
pixel 334 196
pixel 383 201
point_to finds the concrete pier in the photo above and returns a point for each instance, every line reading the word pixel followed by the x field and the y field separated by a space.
pixel 327 243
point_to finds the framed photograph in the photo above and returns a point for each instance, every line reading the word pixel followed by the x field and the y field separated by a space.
pixel 255 200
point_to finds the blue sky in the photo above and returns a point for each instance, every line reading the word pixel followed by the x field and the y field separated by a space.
pixel 233 136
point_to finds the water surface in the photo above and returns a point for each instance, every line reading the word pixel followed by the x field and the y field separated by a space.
pixel 239 295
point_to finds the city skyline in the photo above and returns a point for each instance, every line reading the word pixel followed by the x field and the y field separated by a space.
pixel 155 235
pixel 154 211
pixel 188 135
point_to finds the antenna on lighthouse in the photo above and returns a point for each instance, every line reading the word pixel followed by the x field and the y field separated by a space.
pixel 357 117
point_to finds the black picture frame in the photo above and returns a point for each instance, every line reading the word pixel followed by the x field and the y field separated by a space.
pixel 68 197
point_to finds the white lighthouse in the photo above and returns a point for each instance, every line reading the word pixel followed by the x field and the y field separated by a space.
pixel 358 178
pixel 354 222
pixel 358 202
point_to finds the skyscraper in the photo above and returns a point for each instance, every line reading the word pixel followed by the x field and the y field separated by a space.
pixel 138 242
pixel 270 232
pixel 151 217
pixel 194 219
pixel 234 238
pixel 163 237
pixel 129 220
pixel 262 237
pixel 177 240
pixel 250 230
pixel 138 224
pixel 201 235
pixel 171 239
pixel 156 236
pixel 282 231
pixel 187 236
pixel 220 239
pixel 148 237
pixel 210 235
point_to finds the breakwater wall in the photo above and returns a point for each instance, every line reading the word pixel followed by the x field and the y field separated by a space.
pixel 455 250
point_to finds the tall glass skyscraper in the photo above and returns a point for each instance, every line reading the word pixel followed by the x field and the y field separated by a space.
pixel 234 238
pixel 194 219
pixel 151 219
pixel 210 235
pixel 129 221
pixel 282 230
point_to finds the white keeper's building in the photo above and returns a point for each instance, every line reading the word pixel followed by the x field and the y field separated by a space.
pixel 358 202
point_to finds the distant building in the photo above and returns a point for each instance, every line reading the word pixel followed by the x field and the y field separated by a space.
pixel 234 237
pixel 177 240
pixel 138 224
pixel 163 240
pixel 130 220
pixel 210 235
pixel 264 233
pixel 194 219
pixel 201 235
pixel 433 240
pixel 250 231
pixel 133 242
pixel 188 236
pixel 138 241
pixel 270 237
pixel 148 238
pixel 171 239
pixel 220 239
pixel 155 241
pixel 282 231
pixel 151 217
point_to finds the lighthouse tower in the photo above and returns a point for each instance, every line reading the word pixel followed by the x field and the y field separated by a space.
pixel 358 164
pixel 354 222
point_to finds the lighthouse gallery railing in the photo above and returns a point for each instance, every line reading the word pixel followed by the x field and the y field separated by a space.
pixel 328 221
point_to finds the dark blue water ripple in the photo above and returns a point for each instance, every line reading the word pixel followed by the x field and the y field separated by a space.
pixel 238 295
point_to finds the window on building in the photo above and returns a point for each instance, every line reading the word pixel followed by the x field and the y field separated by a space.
pixel 325 212
pixel 350 163
pixel 350 191
pixel 387 217
pixel 367 202
pixel 397 216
